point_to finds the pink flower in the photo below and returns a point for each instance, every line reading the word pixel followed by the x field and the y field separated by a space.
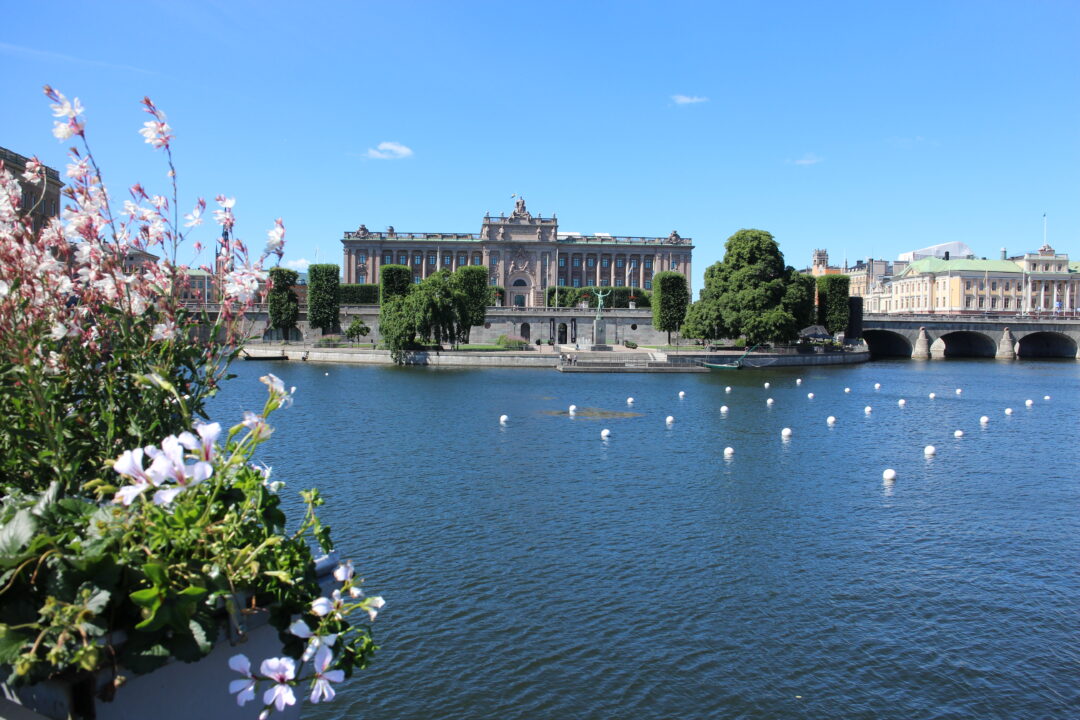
pixel 322 690
pixel 204 446
pixel 163 331
pixel 301 630
pixel 275 239
pixel 169 464
pixel 245 688
pixel 130 465
pixel 327 606
pixel 194 218
pixel 34 171
pixel 257 424
pixel 280 671
pixel 277 389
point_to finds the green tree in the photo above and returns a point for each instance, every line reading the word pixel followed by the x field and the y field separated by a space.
pixel 833 310
pixel 323 297
pixel 438 306
pixel 283 305
pixel 395 281
pixel 397 325
pixel 749 294
pixel 357 329
pixel 671 296
pixel 472 282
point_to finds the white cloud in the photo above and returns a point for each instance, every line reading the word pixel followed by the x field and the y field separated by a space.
pixel 389 151
pixel 33 54
pixel 300 265
pixel 809 159
pixel 688 99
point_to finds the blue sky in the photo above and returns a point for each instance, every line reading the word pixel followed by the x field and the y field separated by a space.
pixel 866 128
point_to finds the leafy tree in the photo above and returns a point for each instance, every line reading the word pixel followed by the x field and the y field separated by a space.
pixel 357 329
pixel 323 297
pixel 283 305
pixel 749 293
pixel 438 307
pixel 697 325
pixel 671 296
pixel 855 321
pixel 472 282
pixel 397 326
pixel 799 299
pixel 395 281
pixel 832 309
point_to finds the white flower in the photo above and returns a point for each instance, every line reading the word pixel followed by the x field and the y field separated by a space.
pixel 281 671
pixel 277 389
pixel 372 605
pixel 62 130
pixel 156 132
pixel 169 464
pixel 325 606
pixel 204 446
pixel 130 465
pixel 163 331
pixel 322 690
pixel 275 239
pixel 33 172
pixel 301 630
pixel 246 687
pixel 194 218
pixel 242 284
pixel 66 109
pixel 59 331
pixel 344 571
pixel 257 424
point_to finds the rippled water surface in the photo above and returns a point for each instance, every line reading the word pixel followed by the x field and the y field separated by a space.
pixel 533 570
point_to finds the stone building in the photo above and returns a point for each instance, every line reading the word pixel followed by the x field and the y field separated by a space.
pixel 525 254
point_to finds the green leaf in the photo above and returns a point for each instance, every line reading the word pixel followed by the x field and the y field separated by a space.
pixel 11 644
pixel 98 600
pixel 155 573
pixel 16 533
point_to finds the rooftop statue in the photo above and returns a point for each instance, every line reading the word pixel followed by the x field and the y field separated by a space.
pixel 363 231
pixel 674 238
pixel 519 209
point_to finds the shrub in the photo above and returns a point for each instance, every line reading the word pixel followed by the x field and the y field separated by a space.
pixel 358 294
pixel 395 281
pixel 630 344
pixel 323 305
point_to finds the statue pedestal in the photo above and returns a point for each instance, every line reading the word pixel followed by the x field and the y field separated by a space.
pixel 599 332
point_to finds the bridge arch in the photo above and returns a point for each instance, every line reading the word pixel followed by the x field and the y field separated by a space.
pixel 886 343
pixel 1046 344
pixel 964 343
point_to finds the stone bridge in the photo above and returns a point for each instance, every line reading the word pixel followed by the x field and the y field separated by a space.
pixel 938 336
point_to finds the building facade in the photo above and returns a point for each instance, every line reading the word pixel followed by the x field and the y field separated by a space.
pixel 523 253
pixel 1040 283
pixel 41 202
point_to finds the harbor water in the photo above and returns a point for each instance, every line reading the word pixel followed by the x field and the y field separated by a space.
pixel 534 570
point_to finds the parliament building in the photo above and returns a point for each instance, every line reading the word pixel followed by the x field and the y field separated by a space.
pixel 524 254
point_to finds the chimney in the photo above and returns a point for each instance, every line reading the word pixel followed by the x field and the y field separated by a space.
pixel 1003 255
pixel 946 254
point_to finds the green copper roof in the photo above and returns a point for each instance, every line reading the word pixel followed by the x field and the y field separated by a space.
pixel 938 265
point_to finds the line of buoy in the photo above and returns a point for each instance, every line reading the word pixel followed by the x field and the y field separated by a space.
pixel 1008 411
pixel 798 381
pixel 785 433
pixel 984 420
pixel 959 390
pixel 727 389
pixel 629 401
pixel 573 409
pixel 1046 397
pixel 766 386
pixel 847 390
pixel 889 475
pixel 1029 402
pixel 877 386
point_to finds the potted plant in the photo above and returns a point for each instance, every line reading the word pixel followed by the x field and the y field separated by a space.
pixel 137 535
pixel 632 302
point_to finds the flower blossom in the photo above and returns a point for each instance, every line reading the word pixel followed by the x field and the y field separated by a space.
pixel 277 389
pixel 372 605
pixel 163 331
pixel 257 424
pixel 245 688
pixel 34 171
pixel 130 465
pixel 300 629
pixel 281 671
pixel 344 571
pixel 194 218
pixel 275 239
pixel 329 606
pixel 242 284
pixel 169 464
pixel 204 446
pixel 321 689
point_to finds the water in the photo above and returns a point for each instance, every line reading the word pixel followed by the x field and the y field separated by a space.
pixel 534 570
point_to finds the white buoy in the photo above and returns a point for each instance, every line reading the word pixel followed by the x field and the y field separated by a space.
pixel 786 432
pixel 729 451
pixel 573 409
pixel 929 450
pixel 682 394
pixel 670 419
pixel 723 409
pixel 766 386
pixel 769 402
pixel 809 396
pixel 830 421
pixel 327 374
pixel 933 395
pixel 877 386
pixel 1046 397
pixel 868 409
pixel 798 381
pixel 959 391
pixel 503 419
pixel 727 389
pixel 901 402
pixel 605 433
pixel 984 420
pixel 847 390
pixel 1029 402
pixel 1008 411
pixel 889 475
pixel 958 434
pixel 629 401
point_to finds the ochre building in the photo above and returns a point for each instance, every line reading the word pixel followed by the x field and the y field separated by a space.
pixel 526 254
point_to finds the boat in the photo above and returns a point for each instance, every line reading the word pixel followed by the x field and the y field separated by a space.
pixel 733 365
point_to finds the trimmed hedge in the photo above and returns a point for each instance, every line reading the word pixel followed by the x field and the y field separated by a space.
pixel 357 294
pixel 395 281
pixel 619 297
pixel 832 307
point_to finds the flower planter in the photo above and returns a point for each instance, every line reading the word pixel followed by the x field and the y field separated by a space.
pixel 178 690
pixel 633 305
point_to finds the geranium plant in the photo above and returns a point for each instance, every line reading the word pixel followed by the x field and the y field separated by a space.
pixel 134 530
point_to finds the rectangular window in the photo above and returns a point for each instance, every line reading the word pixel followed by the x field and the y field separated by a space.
pixel 993 286
pixel 648 263
pixel 967 285
pixel 577 262
pixel 982 302
pixel 648 284
pixel 361 278
pixel 993 302
pixel 361 258
pixel 1007 302
pixel 494 259
pixel 603 282
pixel 477 259
pixel 577 282
pixel 619 262
pixel 403 259
pixel 417 259
pixel 562 280
pixel 605 261
pixel 633 262
pixel 416 279
pixel 387 259
pixel 447 260
pixel 674 264
pixel 591 262
pixel 562 261
pixel 462 259
pixel 432 259
pixel 493 280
